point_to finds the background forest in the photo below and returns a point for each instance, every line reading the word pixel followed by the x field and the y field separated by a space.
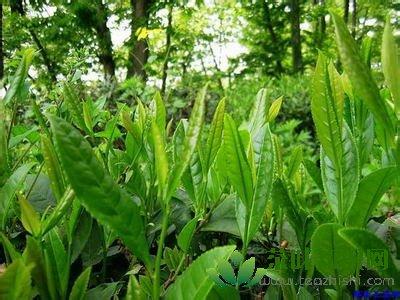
pixel 127 49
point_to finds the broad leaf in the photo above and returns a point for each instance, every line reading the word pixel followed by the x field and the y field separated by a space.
pixel 327 111
pixel 238 167
pixel 331 254
pixel 364 241
pixel 186 234
pixel 341 182
pixel 194 282
pixel 96 190
pixel 264 165
pixel 360 76
pixel 370 191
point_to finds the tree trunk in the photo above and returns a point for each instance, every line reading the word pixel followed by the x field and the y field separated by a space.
pixel 139 51
pixel 295 35
pixel 167 49
pixel 354 19
pixel 274 39
pixel 104 41
pixel 1 43
pixel 346 10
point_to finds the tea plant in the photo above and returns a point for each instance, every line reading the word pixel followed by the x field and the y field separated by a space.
pixel 172 200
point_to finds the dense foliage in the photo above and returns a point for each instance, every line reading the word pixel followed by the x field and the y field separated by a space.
pixel 187 183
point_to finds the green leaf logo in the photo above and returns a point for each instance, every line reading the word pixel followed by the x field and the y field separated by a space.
pixel 246 274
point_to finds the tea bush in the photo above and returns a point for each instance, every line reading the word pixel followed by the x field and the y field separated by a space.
pixel 120 201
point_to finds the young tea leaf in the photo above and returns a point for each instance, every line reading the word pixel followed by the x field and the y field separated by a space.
pixel 96 190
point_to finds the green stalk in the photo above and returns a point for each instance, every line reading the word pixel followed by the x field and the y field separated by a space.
pixel 164 228
pixel 246 229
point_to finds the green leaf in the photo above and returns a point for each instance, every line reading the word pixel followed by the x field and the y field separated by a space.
pixel 194 282
pixel 15 282
pixel 341 182
pixel 274 109
pixel 58 261
pixel 53 167
pixel 74 106
pixel 246 271
pixel 81 233
pixel 96 190
pixel 29 217
pixel 9 247
pixel 238 167
pixel 223 218
pixel 78 291
pixel 258 114
pixel 391 64
pixel 295 161
pixel 264 165
pixel 314 172
pixel 102 291
pixel 160 112
pixel 161 161
pixel 10 188
pixel 134 292
pixel 214 138
pixel 370 191
pixel 33 255
pixel 360 76
pixel 59 211
pixel 364 241
pixel 185 236
pixel 280 197
pixel 226 271
pixel 327 110
pixel 331 254
pixel 189 143
pixel 20 75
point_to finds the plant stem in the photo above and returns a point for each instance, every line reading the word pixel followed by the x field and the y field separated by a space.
pixel 164 228
pixel 246 229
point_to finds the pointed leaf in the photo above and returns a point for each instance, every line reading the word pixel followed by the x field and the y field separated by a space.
pixel 15 282
pixel 364 241
pixel 238 167
pixel 331 254
pixel 214 138
pixel 246 271
pixel 189 143
pixel 264 166
pixel 195 282
pixel 29 217
pixel 360 76
pixel 370 191
pixel 391 65
pixel 185 236
pixel 96 190
pixel 79 288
